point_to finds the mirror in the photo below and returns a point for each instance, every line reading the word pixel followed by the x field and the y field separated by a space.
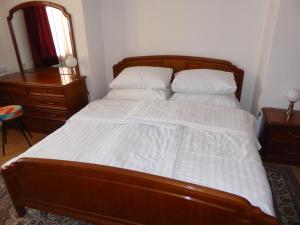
pixel 42 35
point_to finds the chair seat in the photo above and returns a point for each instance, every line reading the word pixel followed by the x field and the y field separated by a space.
pixel 10 112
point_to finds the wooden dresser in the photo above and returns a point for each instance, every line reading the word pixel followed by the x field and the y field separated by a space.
pixel 280 138
pixel 48 97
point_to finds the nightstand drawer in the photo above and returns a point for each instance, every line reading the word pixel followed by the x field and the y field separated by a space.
pixel 284 134
pixel 284 153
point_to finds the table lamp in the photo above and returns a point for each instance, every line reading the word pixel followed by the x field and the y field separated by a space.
pixel 292 96
pixel 71 62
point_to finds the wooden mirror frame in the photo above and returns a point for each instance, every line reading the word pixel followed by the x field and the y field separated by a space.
pixel 38 3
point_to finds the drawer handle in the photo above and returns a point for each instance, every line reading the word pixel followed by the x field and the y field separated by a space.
pixel 294 135
pixel 50 103
pixel 54 115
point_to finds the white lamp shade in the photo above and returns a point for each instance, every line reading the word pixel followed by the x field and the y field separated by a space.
pixel 293 95
pixel 71 61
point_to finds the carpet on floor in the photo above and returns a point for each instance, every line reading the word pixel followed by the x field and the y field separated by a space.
pixel 286 193
pixel 285 189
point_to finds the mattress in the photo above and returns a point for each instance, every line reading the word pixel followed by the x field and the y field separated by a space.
pixel 211 146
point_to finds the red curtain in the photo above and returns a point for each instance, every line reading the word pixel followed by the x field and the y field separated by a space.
pixel 40 37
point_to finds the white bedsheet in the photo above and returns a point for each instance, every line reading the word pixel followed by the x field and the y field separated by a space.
pixel 226 100
pixel 210 146
pixel 105 111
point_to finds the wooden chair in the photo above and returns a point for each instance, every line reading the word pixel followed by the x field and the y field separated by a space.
pixel 9 113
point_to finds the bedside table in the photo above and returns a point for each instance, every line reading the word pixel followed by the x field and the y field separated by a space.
pixel 280 139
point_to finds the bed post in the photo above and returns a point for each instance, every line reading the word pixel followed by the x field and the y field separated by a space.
pixel 20 209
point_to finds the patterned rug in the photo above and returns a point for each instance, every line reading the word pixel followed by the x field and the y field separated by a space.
pixel 286 193
pixel 285 188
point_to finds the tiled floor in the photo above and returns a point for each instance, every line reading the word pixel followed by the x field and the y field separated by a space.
pixel 17 144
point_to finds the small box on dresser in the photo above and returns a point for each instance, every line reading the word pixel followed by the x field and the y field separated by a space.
pixel 280 138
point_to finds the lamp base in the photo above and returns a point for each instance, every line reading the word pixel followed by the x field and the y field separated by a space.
pixel 290 111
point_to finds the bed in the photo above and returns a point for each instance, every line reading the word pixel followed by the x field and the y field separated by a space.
pixel 120 189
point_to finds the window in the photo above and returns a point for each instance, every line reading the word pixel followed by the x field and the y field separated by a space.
pixel 59 25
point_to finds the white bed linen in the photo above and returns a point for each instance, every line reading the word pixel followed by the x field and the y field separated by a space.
pixel 143 77
pixel 204 81
pixel 105 110
pixel 226 100
pixel 138 94
pixel 210 146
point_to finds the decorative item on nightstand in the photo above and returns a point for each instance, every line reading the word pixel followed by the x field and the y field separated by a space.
pixel 292 96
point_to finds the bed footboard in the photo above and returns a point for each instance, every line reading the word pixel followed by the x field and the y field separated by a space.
pixel 108 195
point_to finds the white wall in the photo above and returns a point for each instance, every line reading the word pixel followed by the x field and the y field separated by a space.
pixel 270 26
pixel 2 56
pixel 19 26
pixel 231 29
pixel 283 70
pixel 91 9
pixel 6 60
pixel 75 8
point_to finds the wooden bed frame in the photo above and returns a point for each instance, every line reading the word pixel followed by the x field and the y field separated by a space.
pixel 108 195
pixel 179 63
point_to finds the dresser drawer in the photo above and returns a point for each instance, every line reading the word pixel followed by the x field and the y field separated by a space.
pixel 284 134
pixel 45 91
pixel 49 114
pixel 12 89
pixel 51 103
pixel 5 99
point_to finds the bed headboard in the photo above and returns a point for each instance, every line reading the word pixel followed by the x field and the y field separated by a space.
pixel 179 63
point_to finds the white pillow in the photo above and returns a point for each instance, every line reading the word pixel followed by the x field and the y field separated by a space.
pixel 139 94
pixel 143 77
pixel 203 81
pixel 228 100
